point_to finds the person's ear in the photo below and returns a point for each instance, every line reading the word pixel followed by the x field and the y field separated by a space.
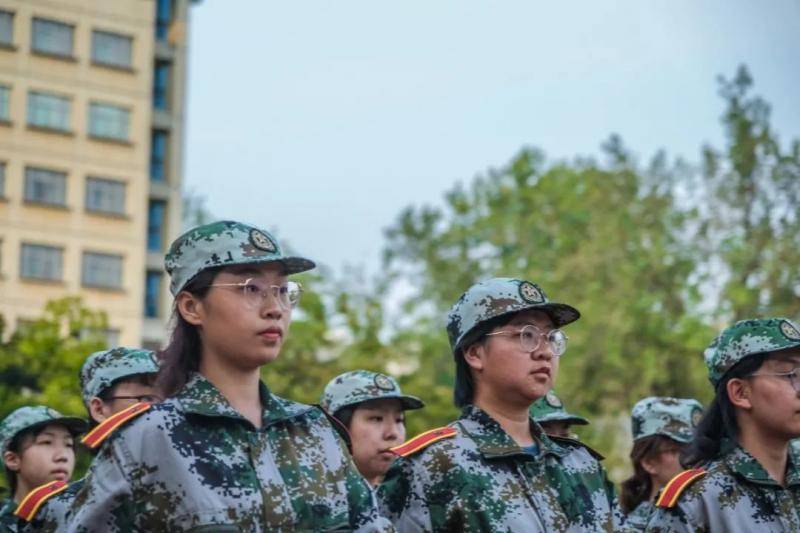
pixel 474 355
pixel 650 464
pixel 190 307
pixel 739 391
pixel 96 410
pixel 12 461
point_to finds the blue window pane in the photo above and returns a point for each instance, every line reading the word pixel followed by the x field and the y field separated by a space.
pixel 163 18
pixel 158 155
pixel 161 77
pixel 152 293
pixel 155 225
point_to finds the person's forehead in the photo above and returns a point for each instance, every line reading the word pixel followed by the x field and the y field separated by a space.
pixel 532 316
pixel 255 270
pixel 55 430
pixel 790 355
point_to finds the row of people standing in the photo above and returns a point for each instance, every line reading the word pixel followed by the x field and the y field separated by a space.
pixel 223 453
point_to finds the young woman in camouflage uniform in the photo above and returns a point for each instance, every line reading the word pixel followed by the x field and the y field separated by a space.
pixel 549 412
pixel 494 469
pixel 743 476
pixel 661 428
pixel 222 453
pixel 372 407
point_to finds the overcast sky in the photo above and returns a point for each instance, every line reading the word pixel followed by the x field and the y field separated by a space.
pixel 324 119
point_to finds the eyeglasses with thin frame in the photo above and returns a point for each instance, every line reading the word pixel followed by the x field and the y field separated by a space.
pixel 793 376
pixel 530 338
pixel 255 294
pixel 149 398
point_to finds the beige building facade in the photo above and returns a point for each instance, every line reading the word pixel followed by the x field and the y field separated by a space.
pixel 91 137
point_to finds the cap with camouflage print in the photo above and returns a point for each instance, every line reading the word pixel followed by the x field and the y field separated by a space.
pixel 359 386
pixel 550 408
pixel 746 338
pixel 500 296
pixel 36 415
pixel 224 243
pixel 675 418
pixel 102 369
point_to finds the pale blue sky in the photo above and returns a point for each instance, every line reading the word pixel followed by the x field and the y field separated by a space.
pixel 324 119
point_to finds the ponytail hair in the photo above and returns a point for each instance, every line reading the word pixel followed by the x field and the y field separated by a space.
pixel 181 357
pixel 718 431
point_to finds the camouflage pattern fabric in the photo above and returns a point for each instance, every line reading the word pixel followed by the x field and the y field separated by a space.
pixel 550 408
pixel 358 386
pixel 36 415
pixel 736 495
pixel 637 519
pixel 102 369
pixel 8 522
pixel 481 480
pixel 53 515
pixel 224 243
pixel 748 337
pixel 194 463
pixel 500 296
pixel 675 418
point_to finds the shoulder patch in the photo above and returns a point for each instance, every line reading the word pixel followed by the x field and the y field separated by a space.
pixel 31 504
pixel 672 490
pixel 423 440
pixel 95 437
pixel 575 442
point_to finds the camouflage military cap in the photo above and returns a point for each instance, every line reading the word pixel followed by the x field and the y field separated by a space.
pixel 746 338
pixel 550 408
pixel 359 386
pixel 102 369
pixel 224 243
pixel 29 417
pixel 675 418
pixel 500 296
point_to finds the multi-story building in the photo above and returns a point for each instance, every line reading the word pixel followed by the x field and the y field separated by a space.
pixel 91 131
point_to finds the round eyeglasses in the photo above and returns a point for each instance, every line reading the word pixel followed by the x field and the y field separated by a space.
pixel 792 376
pixel 255 293
pixel 530 338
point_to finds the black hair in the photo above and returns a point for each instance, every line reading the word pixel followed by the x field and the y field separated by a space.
pixel 345 415
pixel 464 389
pixel 181 356
pixel 718 430
pixel 638 487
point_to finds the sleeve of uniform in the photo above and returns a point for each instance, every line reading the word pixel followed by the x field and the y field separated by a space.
pixel 105 503
pixel 396 502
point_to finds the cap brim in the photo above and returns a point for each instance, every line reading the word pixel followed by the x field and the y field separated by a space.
pixel 411 402
pixel 560 314
pixel 564 417
pixel 75 425
pixel 295 265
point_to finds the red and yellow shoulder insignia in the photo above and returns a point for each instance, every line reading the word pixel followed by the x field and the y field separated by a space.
pixel 95 437
pixel 423 440
pixel 672 490
pixel 31 504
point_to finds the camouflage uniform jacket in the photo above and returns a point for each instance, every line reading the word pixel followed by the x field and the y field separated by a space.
pixel 636 520
pixel 736 494
pixel 481 480
pixel 53 514
pixel 193 463
pixel 8 522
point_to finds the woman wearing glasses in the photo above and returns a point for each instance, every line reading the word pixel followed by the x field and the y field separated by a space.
pixel 494 469
pixel 222 453
pixel 743 476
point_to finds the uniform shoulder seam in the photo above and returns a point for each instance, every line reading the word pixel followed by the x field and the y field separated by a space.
pixel 674 488
pixel 423 440
pixel 103 430
pixel 574 442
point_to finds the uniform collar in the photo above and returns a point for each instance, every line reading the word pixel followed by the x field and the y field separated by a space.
pixel 746 466
pixel 200 397
pixel 492 440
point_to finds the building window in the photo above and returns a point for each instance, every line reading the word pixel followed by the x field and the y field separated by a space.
pixel 52 37
pixel 105 196
pixel 161 82
pixel 41 262
pixel 2 179
pixel 47 110
pixel 111 49
pixel 152 293
pixel 102 270
pixel 156 212
pixel 6 28
pixel 5 96
pixel 108 121
pixel 158 155
pixel 45 186
pixel 163 18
